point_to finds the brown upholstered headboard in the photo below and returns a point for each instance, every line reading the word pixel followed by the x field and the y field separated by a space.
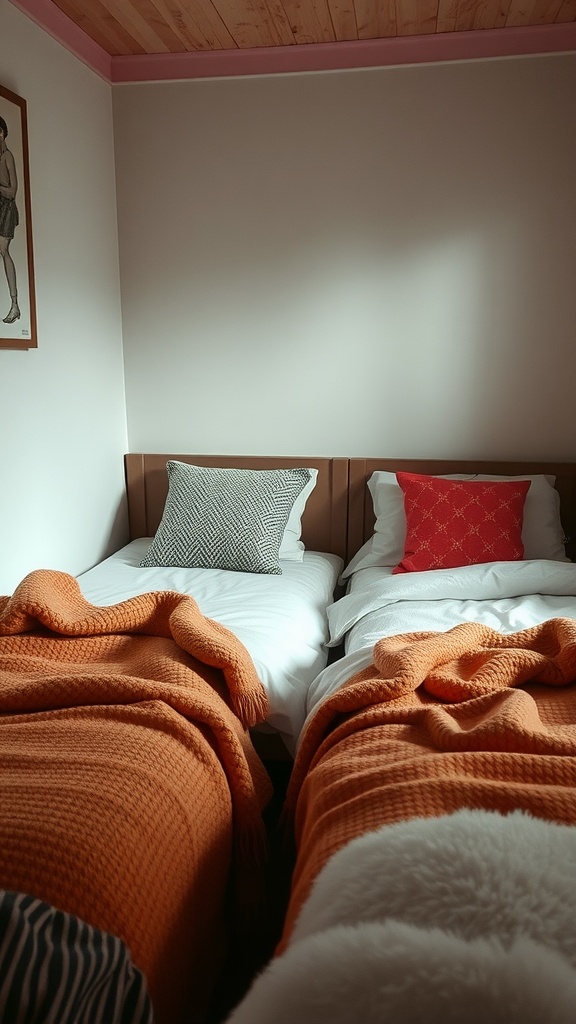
pixel 338 515
pixel 360 511
pixel 324 520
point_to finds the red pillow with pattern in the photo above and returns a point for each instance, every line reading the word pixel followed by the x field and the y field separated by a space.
pixel 460 522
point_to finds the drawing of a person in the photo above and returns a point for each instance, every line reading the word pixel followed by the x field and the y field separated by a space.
pixel 8 219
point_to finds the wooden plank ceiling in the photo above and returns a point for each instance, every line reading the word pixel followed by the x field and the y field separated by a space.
pixel 136 27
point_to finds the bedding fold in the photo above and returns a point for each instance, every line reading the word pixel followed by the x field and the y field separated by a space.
pixel 468 662
pixel 53 600
pixel 490 582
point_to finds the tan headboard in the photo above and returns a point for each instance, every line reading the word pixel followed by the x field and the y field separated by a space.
pixel 360 511
pixel 324 523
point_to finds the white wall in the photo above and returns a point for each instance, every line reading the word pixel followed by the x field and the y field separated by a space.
pixel 362 263
pixel 373 262
pixel 62 411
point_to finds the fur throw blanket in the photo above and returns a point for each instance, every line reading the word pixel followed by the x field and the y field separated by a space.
pixel 470 917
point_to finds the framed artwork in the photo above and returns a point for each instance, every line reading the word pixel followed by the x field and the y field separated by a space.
pixel 17 296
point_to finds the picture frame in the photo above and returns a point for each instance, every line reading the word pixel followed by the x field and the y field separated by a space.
pixel 17 294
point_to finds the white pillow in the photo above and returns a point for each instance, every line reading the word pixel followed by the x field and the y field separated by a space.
pixel 542 533
pixel 292 548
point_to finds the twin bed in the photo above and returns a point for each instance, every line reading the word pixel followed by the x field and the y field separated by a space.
pixel 436 771
pixel 165 681
pixel 280 618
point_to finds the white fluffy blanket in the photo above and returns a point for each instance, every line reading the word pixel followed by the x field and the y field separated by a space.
pixel 464 919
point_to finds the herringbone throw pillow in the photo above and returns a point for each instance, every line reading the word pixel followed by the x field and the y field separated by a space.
pixel 225 518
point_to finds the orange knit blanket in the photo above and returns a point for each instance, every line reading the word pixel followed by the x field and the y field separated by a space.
pixel 466 718
pixel 128 776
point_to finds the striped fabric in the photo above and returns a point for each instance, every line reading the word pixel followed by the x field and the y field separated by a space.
pixel 55 969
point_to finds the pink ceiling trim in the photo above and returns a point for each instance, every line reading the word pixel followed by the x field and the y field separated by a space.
pixel 449 46
pixel 353 54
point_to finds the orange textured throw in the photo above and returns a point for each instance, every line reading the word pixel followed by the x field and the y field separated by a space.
pixel 440 721
pixel 129 782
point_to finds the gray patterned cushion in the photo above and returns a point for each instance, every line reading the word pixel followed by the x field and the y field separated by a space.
pixel 225 518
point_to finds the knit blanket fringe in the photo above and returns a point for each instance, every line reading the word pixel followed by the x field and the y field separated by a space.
pixel 53 600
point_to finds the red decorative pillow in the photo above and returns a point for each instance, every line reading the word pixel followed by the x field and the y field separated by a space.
pixel 460 522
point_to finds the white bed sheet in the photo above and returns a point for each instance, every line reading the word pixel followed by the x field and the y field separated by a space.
pixel 281 620
pixel 507 596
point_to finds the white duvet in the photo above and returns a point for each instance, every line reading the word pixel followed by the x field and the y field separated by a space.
pixel 507 596
pixel 281 620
